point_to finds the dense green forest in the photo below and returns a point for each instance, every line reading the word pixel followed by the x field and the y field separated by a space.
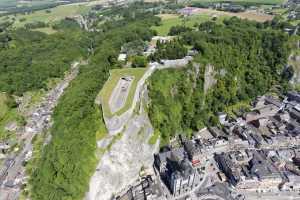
pixel 247 58
pixel 30 58
pixel 174 49
pixel 69 159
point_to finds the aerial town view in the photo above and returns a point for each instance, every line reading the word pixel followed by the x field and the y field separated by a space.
pixel 149 99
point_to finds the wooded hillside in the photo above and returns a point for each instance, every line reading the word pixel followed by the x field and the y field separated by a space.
pixel 247 58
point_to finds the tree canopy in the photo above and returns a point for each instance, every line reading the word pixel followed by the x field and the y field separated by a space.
pixel 247 59
pixel 69 159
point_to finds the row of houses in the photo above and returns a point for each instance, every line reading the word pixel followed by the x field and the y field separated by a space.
pixel 259 150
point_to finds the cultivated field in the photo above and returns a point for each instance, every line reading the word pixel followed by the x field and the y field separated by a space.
pixel 55 14
pixel 11 4
pixel 111 83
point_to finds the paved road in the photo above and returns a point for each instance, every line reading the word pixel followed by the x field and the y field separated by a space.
pixel 39 120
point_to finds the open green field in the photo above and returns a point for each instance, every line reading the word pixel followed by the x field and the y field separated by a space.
pixel 110 84
pixel 10 4
pixel 173 20
pixel 47 30
pixel 243 1
pixel 55 14
pixel 3 106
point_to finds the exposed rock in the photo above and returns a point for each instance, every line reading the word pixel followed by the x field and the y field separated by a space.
pixel 294 61
pixel 209 77
pixel 104 142
pixel 120 166
pixel 175 63
pixel 223 72
pixel 197 69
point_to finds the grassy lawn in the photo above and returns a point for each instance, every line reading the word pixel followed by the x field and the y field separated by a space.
pixel 110 84
pixel 9 4
pixel 47 30
pixel 153 139
pixel 56 14
pixel 172 20
pixel 3 106
pixel 250 1
pixel 102 131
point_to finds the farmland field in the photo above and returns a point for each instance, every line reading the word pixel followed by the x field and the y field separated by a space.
pixel 49 15
pixel 109 86
pixel 12 5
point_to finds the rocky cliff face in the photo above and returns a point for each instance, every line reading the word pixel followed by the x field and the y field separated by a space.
pixel 123 160
pixel 295 62
pixel 209 77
